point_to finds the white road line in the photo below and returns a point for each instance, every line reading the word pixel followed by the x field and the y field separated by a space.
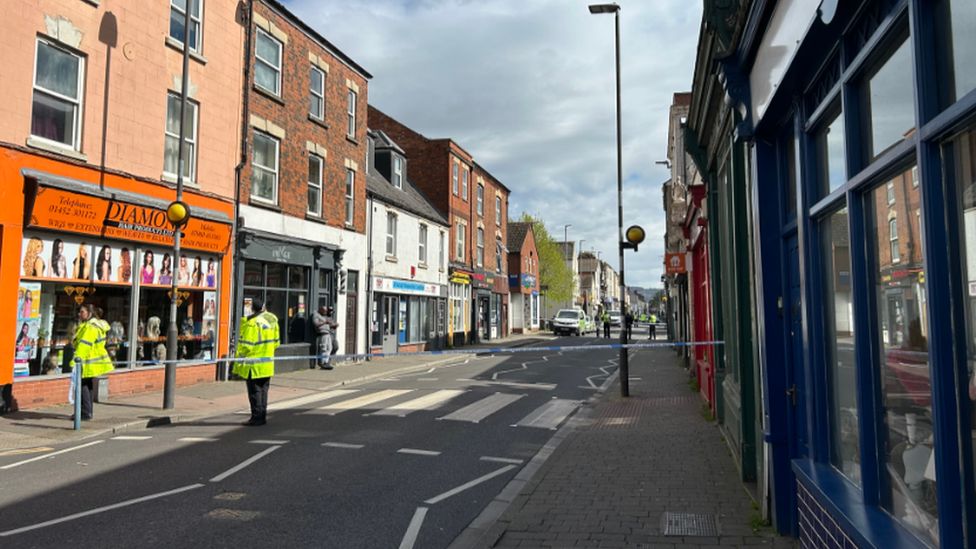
pixel 516 385
pixel 131 437
pixel 427 379
pixel 415 452
pixel 501 460
pixel 308 399
pixel 590 379
pixel 52 454
pixel 198 439
pixel 99 510
pixel 268 442
pixel 466 485
pixel 431 370
pixel 427 402
pixel 550 414
pixel 343 445
pixel 246 462
pixel 365 400
pixel 410 537
pixel 478 411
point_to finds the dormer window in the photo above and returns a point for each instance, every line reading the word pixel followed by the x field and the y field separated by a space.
pixel 397 177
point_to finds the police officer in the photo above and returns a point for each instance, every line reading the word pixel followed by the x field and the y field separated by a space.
pixel 605 317
pixel 89 344
pixel 258 340
pixel 652 328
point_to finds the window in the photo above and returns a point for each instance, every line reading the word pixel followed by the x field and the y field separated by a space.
pixel 891 100
pixel 464 183
pixel 422 246
pixel 459 251
pixel 914 176
pixel 460 296
pixel 498 255
pixel 440 250
pixel 830 150
pixel 891 193
pixel 893 240
pixel 314 185
pixel 351 114
pixel 171 152
pixel 285 291
pixel 397 172
pixel 962 21
pixel 56 110
pixel 454 179
pixel 481 200
pixel 264 168
pixel 267 64
pixel 481 246
pixel 350 195
pixel 316 93
pixel 177 18
pixel 391 234
pixel 498 211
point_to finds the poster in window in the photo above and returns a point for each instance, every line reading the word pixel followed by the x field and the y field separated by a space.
pixel 107 265
pixel 58 258
pixel 28 326
pixel 149 267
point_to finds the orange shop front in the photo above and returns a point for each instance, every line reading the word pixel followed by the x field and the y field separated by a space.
pixel 82 243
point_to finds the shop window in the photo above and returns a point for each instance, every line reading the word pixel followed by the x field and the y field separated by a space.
pixel 314 185
pixel 890 100
pixel 316 93
pixel 845 453
pixel 831 156
pixel 267 62
pixel 171 154
pixel 264 172
pixel 326 288
pixel 902 334
pixel 59 76
pixel 285 291
pixel 177 18
pixel 961 45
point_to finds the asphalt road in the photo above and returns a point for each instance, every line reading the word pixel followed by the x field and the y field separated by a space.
pixel 404 462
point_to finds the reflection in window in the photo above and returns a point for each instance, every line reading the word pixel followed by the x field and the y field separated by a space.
pixel 892 105
pixel 830 150
pixel 844 450
pixel 962 17
pixel 902 330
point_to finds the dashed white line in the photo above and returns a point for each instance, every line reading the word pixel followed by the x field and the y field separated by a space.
pixel 501 460
pixel 410 537
pixel 308 399
pixel 131 437
pixel 268 442
pixel 198 439
pixel 244 464
pixel 415 452
pixel 52 454
pixel 344 445
pixel 466 485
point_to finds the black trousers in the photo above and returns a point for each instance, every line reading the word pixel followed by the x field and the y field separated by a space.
pixel 257 395
pixel 652 334
pixel 606 330
pixel 87 397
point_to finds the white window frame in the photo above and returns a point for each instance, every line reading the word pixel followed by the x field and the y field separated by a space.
pixel 198 19
pixel 890 190
pixel 350 196
pixel 351 99
pixel 397 171
pixel 78 101
pixel 459 241
pixel 914 176
pixel 190 138
pixel 498 211
pixel 440 251
pixel 481 247
pixel 317 209
pixel 277 69
pixel 454 178
pixel 274 171
pixel 422 244
pixel 316 97
pixel 464 183
pixel 893 240
pixel 391 234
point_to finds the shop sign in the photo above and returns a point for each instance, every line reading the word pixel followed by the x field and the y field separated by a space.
pixel 391 285
pixel 479 280
pixel 674 263
pixel 460 277
pixel 66 211
pixel 528 280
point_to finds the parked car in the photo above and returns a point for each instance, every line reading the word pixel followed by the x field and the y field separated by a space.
pixel 569 322
pixel 615 318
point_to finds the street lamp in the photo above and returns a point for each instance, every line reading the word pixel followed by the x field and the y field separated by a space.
pixel 624 366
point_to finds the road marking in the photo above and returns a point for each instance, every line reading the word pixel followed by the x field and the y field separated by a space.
pixel 550 414
pixel 516 385
pixel 22 451
pixel 366 400
pixel 344 445
pixel 308 399
pixel 410 537
pixel 100 510
pixel 52 454
pixel 431 370
pixel 466 485
pixel 427 402
pixel 589 380
pixel 268 442
pixel 416 452
pixel 427 379
pixel 478 411
pixel 244 464
pixel 501 460
pixel 198 439
pixel 131 437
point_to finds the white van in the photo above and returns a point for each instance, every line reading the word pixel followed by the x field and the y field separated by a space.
pixel 570 322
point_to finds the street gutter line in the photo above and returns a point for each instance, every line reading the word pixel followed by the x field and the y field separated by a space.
pixel 410 537
pixel 100 510
pixel 465 486
pixel 52 454
pixel 247 462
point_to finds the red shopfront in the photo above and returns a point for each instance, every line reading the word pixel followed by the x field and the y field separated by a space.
pixel 701 298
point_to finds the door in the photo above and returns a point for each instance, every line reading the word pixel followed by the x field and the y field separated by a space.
pixel 352 309
pixel 390 322
pixel 795 388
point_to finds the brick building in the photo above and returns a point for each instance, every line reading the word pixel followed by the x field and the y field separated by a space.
pixel 304 177
pixel 523 277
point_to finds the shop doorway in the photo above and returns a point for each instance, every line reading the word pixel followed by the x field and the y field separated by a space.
pixel 352 307
pixel 391 308
pixel 484 318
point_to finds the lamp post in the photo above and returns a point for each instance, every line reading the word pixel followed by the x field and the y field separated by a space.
pixel 624 366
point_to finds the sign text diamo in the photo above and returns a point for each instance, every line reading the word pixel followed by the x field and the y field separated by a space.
pixel 136 215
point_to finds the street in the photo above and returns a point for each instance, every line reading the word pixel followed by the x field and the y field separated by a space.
pixel 404 461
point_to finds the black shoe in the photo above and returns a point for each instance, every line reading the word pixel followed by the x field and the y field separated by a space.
pixel 326 367
pixel 253 422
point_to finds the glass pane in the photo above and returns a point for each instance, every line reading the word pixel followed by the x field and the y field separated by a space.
pixel 264 151
pixel 315 106
pixel 830 149
pixel 892 104
pixel 266 77
pixel 314 170
pixel 902 330
pixel 57 70
pixel 962 15
pixel 276 275
pixel 253 273
pixel 263 184
pixel 173 116
pixel 315 79
pixel 276 301
pixel 314 200
pixel 297 317
pixel 53 119
pixel 196 327
pixel 298 278
pixel 176 28
pixel 268 50
pixel 844 451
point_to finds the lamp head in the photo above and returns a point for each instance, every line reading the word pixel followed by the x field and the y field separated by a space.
pixel 604 8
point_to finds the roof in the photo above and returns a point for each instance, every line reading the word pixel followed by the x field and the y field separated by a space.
pixel 493 178
pixel 409 198
pixel 517 231
pixel 381 141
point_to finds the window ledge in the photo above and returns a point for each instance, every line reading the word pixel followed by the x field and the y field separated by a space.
pixel 92 2
pixel 318 122
pixel 315 218
pixel 259 203
pixel 49 146
pixel 178 46
pixel 392 258
pixel 170 178
pixel 269 94
pixel 422 266
pixel 352 140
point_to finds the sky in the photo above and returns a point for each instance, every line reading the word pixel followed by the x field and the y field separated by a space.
pixel 527 87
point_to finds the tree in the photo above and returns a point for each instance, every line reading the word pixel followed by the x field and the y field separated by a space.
pixel 554 274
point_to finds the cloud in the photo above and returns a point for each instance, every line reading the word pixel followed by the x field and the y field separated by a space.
pixel 528 88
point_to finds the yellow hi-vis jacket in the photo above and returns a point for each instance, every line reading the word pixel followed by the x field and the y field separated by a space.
pixel 89 345
pixel 258 340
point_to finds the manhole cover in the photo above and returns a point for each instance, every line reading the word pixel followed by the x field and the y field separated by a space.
pixel 689 524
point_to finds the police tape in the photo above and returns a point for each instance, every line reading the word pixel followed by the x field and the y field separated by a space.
pixel 445 352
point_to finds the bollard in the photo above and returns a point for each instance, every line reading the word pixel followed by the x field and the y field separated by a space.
pixel 77 377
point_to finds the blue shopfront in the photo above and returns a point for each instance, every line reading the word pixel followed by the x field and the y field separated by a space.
pixel 859 124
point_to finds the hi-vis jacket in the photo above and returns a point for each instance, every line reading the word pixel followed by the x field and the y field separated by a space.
pixel 89 345
pixel 258 340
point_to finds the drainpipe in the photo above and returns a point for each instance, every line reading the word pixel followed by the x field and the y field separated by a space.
pixel 369 271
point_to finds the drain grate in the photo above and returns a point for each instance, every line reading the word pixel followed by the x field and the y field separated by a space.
pixel 689 524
